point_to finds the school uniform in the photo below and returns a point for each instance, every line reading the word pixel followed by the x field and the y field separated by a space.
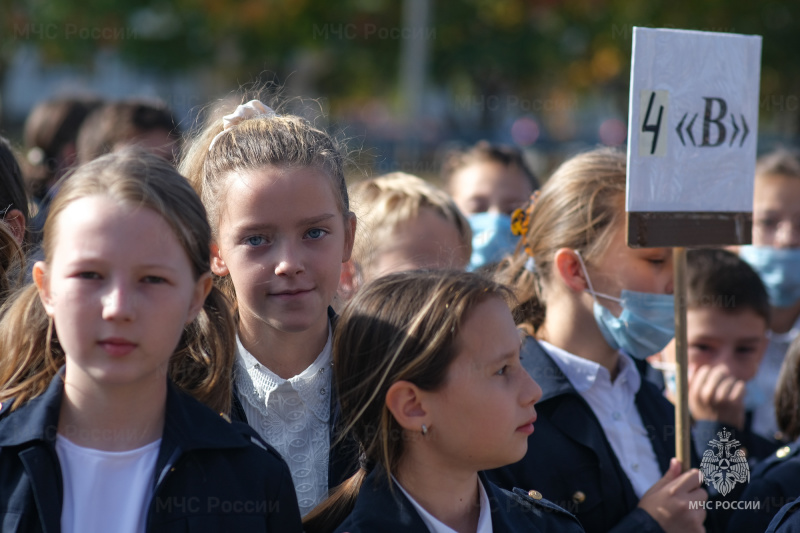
pixel 317 402
pixel 774 483
pixel 379 509
pixel 756 447
pixel 570 459
pixel 210 475
pixel 787 520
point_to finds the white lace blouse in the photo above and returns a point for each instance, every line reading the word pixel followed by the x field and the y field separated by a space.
pixel 293 416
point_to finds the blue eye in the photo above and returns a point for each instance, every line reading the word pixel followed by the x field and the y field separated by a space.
pixel 502 371
pixel 316 233
pixel 255 240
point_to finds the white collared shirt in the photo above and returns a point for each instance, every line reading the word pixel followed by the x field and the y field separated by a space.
pixel 437 526
pixel 613 403
pixel 293 416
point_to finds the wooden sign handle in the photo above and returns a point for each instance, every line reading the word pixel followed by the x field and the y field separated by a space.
pixel 682 423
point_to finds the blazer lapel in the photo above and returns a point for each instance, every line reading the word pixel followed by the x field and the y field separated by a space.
pixel 42 472
pixel 376 506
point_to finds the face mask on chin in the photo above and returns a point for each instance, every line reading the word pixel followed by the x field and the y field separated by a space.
pixel 644 327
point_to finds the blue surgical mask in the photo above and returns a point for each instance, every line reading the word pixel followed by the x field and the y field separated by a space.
pixel 645 326
pixel 491 238
pixel 779 269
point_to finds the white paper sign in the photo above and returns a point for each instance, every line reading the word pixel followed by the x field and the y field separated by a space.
pixel 693 121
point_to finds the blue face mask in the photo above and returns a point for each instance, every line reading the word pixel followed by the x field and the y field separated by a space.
pixel 645 326
pixel 491 238
pixel 779 269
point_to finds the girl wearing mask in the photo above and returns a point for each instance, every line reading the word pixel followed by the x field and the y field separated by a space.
pixel 775 255
pixel 605 437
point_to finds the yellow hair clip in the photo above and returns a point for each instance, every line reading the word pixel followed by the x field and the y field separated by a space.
pixel 521 218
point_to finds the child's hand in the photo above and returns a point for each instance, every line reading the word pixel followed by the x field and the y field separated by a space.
pixel 716 395
pixel 668 501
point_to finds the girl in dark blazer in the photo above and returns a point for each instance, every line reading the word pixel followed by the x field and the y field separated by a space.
pixel 123 305
pixel 433 392
pixel 595 303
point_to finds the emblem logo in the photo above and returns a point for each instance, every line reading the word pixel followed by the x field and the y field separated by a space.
pixel 727 467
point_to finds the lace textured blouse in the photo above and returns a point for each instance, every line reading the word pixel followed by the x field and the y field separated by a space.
pixel 293 416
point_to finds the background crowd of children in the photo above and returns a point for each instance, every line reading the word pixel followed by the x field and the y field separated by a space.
pixel 213 330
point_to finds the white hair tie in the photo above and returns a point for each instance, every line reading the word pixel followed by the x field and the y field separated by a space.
pixel 251 109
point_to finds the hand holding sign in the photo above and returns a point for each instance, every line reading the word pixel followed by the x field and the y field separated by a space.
pixel 691 157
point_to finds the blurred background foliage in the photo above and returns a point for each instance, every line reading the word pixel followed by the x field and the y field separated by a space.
pixel 564 64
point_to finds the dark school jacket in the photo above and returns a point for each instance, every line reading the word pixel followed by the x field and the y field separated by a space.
pixel 343 456
pixel 378 510
pixel 755 447
pixel 211 475
pixel 571 462
pixel 774 483
pixel 787 520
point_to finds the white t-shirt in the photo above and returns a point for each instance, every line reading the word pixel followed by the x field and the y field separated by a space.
pixel 106 491
pixel 437 526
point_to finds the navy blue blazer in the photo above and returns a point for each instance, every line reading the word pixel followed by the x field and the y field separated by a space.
pixel 378 510
pixel 756 447
pixel 343 456
pixel 210 475
pixel 787 520
pixel 774 483
pixel 571 462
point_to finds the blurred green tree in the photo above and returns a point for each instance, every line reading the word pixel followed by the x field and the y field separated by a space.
pixel 544 49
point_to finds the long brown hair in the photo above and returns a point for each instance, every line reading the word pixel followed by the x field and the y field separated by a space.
pixel 202 361
pixel 12 262
pixel 12 187
pixel 578 208
pixel 377 344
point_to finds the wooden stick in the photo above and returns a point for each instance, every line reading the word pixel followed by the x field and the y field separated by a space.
pixel 682 424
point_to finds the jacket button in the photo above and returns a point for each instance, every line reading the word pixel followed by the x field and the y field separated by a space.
pixel 783 452
pixel 579 497
pixel 535 494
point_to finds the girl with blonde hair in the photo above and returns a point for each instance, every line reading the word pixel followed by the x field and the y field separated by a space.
pixel 274 189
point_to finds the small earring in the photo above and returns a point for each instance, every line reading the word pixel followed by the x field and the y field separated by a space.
pixel 424 429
